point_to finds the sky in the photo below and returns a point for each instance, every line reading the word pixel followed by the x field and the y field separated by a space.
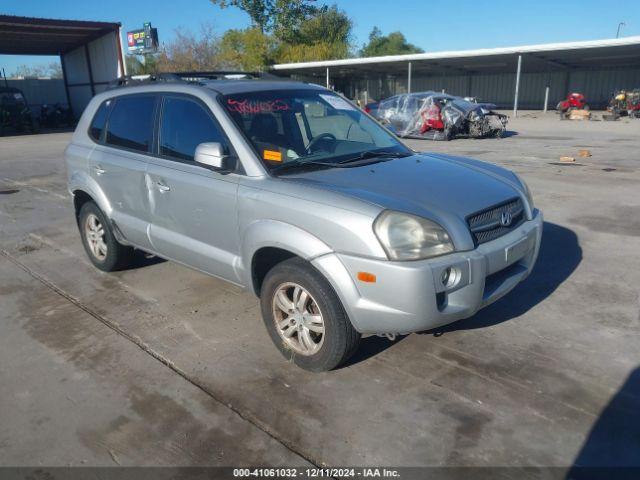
pixel 434 25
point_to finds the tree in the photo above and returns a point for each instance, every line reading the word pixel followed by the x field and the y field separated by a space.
pixel 289 15
pixel 323 36
pixel 330 25
pixel 248 49
pixel 292 53
pixel 137 67
pixel 281 17
pixel 393 44
pixel 187 52
pixel 258 10
pixel 55 70
pixel 51 70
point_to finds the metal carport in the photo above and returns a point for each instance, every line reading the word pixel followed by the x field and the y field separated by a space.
pixel 90 52
pixel 547 71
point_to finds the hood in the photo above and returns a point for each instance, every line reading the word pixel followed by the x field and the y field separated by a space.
pixel 440 187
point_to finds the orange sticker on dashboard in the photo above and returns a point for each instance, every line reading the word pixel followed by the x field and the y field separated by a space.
pixel 272 155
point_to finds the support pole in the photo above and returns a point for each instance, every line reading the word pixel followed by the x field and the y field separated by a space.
pixel 123 61
pixel 515 100
pixel 409 78
pixel 546 98
pixel 366 93
pixel 63 64
pixel 327 77
pixel 89 69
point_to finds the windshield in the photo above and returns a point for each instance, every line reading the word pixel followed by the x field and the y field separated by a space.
pixel 309 127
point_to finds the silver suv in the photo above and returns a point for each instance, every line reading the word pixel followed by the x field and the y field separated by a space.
pixel 290 191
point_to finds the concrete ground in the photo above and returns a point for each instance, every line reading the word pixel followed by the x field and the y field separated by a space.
pixel 161 365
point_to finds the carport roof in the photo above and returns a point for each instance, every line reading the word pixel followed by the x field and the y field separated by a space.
pixel 46 36
pixel 536 58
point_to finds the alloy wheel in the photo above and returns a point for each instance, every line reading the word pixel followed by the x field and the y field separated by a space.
pixel 298 318
pixel 94 234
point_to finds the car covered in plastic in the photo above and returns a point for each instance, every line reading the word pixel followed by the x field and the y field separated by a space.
pixel 439 116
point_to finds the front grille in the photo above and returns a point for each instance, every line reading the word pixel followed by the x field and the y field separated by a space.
pixel 486 225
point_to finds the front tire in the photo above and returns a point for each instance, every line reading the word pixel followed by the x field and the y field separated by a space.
pixel 98 240
pixel 305 318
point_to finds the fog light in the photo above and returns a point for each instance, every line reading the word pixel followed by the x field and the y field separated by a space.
pixel 446 274
pixel 450 277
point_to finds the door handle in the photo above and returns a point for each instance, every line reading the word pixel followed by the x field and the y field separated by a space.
pixel 163 188
pixel 99 170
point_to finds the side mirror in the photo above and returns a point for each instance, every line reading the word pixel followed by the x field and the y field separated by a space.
pixel 211 155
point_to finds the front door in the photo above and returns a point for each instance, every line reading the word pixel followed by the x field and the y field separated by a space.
pixel 193 209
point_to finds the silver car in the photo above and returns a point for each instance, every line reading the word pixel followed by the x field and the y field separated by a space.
pixel 290 191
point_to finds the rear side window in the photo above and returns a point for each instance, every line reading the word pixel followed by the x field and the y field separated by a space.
pixel 185 125
pixel 99 121
pixel 131 123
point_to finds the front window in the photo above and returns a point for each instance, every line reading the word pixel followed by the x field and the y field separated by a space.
pixel 186 124
pixel 308 127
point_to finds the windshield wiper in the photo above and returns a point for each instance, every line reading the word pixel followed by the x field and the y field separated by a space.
pixel 301 164
pixel 369 154
pixel 366 155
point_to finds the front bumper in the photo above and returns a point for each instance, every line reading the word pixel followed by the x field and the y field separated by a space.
pixel 410 297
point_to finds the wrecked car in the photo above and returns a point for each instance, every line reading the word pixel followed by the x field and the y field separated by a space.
pixel 15 114
pixel 625 103
pixel 439 116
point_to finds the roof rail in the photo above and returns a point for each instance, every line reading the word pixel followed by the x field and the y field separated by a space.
pixel 225 75
pixel 190 77
pixel 128 80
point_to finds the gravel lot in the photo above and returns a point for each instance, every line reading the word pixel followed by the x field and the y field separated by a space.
pixel 162 365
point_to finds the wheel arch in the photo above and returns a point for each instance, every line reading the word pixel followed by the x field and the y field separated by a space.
pixel 269 242
pixel 84 188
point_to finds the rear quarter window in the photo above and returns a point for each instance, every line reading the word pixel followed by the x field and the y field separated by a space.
pixel 99 121
pixel 131 123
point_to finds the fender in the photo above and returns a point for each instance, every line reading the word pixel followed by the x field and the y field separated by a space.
pixel 273 233
pixel 82 181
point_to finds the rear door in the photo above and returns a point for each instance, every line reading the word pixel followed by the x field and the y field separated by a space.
pixel 118 163
pixel 193 209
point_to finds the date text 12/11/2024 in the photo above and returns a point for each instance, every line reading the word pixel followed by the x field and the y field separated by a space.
pixel 316 472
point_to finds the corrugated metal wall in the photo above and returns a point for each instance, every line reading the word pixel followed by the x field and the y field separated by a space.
pixel 105 62
pixel 77 76
pixel 40 91
pixel 596 84
pixel 105 67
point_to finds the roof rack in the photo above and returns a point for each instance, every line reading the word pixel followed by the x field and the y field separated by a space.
pixel 225 75
pixel 190 77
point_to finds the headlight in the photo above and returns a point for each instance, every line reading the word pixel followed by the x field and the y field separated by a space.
pixel 527 192
pixel 408 237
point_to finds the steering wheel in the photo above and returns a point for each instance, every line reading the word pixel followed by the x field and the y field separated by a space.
pixel 317 138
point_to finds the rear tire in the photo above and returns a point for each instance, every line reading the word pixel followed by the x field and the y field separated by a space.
pixel 305 318
pixel 98 240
